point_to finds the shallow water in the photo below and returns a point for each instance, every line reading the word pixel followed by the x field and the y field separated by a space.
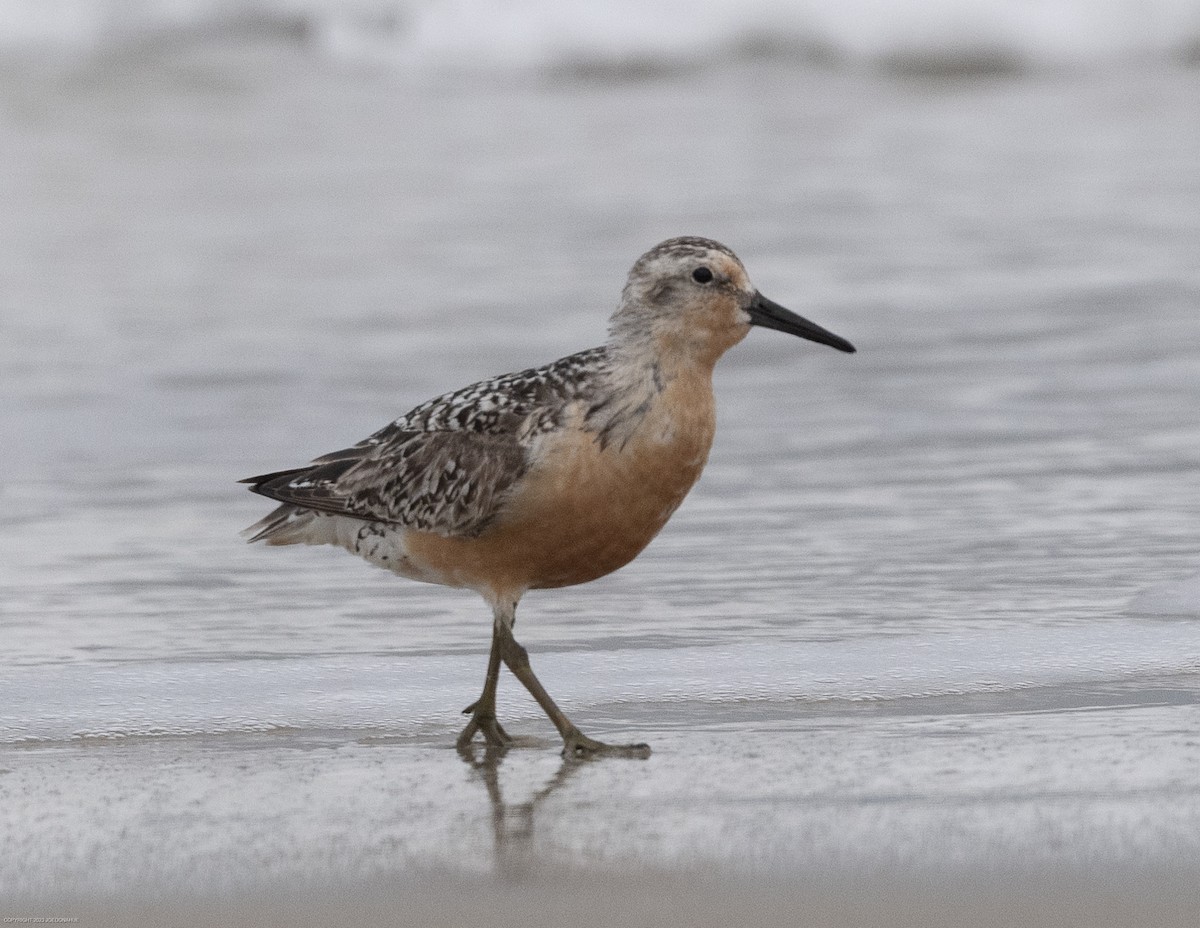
pixel 903 586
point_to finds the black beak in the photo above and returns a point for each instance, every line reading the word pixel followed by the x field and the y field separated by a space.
pixel 773 316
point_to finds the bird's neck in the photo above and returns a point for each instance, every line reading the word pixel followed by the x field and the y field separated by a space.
pixel 654 395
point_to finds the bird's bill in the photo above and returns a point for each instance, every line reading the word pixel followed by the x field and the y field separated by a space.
pixel 771 315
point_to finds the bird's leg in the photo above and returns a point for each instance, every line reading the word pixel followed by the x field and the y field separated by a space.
pixel 483 710
pixel 576 745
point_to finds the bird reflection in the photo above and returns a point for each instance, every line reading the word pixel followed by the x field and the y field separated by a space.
pixel 512 823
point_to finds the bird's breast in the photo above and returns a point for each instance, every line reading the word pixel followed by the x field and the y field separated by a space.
pixel 587 507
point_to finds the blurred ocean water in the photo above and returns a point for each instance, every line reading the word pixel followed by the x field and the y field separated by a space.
pixel 908 34
pixel 236 236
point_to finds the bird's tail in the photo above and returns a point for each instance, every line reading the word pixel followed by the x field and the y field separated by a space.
pixel 285 525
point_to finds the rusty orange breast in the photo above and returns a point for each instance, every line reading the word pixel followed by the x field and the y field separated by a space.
pixel 585 510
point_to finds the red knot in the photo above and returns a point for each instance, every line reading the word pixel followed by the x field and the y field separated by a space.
pixel 548 477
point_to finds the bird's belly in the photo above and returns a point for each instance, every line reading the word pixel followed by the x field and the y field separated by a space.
pixel 581 513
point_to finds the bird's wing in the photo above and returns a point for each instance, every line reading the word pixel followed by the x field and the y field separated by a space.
pixel 452 483
pixel 447 466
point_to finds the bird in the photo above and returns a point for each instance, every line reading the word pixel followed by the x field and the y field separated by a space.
pixel 547 477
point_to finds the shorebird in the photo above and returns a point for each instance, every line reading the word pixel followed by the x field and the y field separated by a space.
pixel 548 477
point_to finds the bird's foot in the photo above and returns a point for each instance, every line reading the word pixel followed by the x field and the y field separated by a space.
pixel 484 721
pixel 578 746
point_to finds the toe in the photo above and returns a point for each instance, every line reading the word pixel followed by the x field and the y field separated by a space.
pixel 578 746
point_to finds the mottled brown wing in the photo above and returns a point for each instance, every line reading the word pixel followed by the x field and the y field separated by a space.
pixel 449 482
pixel 448 465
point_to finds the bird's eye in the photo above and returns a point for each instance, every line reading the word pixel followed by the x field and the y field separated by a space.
pixel 702 275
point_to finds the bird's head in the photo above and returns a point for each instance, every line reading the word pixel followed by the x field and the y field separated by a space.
pixel 690 300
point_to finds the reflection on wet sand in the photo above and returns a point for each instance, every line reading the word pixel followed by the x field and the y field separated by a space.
pixel 512 822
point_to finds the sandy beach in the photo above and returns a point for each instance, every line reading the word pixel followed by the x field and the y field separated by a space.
pixel 986 811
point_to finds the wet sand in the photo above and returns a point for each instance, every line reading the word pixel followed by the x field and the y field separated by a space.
pixel 1105 899
pixel 988 811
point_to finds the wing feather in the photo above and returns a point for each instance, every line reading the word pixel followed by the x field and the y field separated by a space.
pixel 448 465
pixel 452 483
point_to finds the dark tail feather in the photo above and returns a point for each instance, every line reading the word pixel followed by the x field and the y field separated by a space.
pixel 283 525
pixel 262 481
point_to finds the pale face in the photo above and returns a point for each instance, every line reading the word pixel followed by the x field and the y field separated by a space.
pixel 714 294
pixel 693 296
